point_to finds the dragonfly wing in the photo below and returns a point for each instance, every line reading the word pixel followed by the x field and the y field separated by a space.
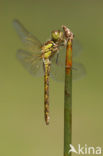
pixel 60 59
pixel 31 42
pixel 76 48
pixel 78 71
pixel 58 65
pixel 33 63
pixel 58 70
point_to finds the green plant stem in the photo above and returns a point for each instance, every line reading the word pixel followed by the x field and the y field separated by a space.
pixel 68 100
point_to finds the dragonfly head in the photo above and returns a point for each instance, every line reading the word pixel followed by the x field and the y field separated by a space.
pixel 57 35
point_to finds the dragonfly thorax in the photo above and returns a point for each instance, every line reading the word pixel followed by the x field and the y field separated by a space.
pixel 49 49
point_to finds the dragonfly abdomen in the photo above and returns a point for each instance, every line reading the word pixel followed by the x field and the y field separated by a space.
pixel 46 90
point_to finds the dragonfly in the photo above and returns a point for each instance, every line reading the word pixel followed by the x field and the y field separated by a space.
pixel 45 58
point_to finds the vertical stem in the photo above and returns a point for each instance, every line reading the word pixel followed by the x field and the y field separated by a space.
pixel 68 100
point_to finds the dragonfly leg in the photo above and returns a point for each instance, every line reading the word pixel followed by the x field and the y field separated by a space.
pixel 57 57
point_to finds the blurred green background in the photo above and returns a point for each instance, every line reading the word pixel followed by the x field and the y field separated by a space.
pixel 22 128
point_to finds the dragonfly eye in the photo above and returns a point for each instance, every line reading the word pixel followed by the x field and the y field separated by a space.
pixel 56 35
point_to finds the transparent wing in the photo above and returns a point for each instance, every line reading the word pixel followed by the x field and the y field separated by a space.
pixel 76 50
pixel 31 42
pixel 58 67
pixel 58 71
pixel 78 70
pixel 32 62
